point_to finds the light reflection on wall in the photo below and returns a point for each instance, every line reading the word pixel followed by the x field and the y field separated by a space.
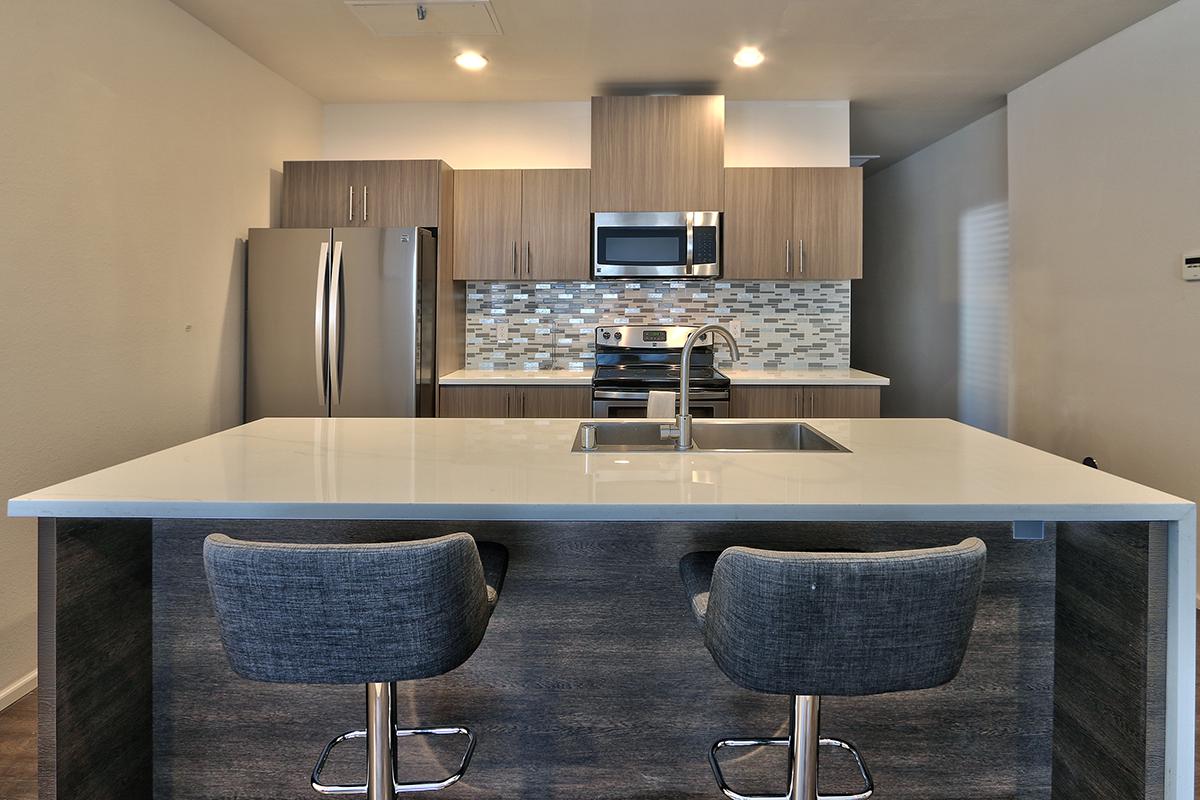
pixel 983 323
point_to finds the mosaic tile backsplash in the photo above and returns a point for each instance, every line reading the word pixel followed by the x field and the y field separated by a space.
pixel 793 325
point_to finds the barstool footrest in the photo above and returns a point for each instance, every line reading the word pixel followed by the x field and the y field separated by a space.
pixel 398 788
pixel 868 781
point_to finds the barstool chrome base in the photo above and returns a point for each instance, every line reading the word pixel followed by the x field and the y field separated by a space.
pixel 381 751
pixel 802 747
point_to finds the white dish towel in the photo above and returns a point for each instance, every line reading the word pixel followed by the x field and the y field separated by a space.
pixel 661 405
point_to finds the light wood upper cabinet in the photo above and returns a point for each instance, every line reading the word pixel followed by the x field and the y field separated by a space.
pixel 372 194
pixel 827 208
pixel 521 224
pixel 556 239
pixel 793 224
pixel 658 153
pixel 487 224
pixel 758 223
pixel 398 193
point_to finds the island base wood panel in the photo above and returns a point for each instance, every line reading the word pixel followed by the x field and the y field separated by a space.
pixel 94 659
pixel 593 680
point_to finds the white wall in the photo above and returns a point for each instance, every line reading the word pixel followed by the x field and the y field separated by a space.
pixel 1104 192
pixel 931 311
pixel 558 134
pixel 136 147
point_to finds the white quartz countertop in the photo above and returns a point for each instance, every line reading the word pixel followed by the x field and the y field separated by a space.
pixel 898 469
pixel 542 377
pixel 749 377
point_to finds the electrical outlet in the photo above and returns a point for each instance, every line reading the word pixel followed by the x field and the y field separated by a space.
pixel 735 327
pixel 1191 266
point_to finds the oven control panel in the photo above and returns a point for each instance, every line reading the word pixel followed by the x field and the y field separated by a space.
pixel 655 337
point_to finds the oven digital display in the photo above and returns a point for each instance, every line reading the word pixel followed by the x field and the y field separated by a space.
pixel 654 336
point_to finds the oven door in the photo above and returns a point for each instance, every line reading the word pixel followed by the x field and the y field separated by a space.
pixel 631 404
pixel 640 245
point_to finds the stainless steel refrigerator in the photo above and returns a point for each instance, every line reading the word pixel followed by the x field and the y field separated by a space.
pixel 340 322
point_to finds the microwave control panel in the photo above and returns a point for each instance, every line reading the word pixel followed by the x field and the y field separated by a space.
pixel 704 244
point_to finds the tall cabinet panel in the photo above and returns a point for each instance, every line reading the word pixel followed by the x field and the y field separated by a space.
pixel 554 224
pixel 758 223
pixel 398 193
pixel 487 224
pixel 827 207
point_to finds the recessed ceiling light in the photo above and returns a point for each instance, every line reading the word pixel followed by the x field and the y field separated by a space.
pixel 748 57
pixel 469 59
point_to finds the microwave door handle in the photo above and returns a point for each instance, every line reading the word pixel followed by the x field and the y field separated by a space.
pixel 319 324
pixel 689 268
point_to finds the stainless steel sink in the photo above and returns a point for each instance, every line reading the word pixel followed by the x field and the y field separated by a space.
pixel 725 435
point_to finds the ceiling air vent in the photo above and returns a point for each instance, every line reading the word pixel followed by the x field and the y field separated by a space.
pixel 427 18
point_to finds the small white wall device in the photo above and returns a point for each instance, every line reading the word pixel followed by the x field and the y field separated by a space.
pixel 1191 266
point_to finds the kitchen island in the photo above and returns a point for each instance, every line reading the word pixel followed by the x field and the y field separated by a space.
pixel 592 680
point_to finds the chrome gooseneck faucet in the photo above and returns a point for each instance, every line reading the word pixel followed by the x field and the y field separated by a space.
pixel 681 431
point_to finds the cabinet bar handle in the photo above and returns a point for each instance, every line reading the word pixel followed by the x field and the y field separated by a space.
pixel 801 270
pixel 364 204
pixel 787 256
pixel 515 272
pixel 508 404
pixel 522 405
pixel 351 204
pixel 528 258
pixel 797 404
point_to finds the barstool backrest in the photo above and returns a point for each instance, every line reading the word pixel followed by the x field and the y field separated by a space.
pixel 843 623
pixel 347 613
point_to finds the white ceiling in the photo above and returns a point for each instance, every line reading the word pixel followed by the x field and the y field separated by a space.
pixel 914 70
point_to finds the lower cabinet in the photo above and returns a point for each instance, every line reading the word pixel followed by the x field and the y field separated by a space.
pixel 516 401
pixel 804 401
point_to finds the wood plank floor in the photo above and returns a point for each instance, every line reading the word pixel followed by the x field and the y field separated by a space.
pixel 18 748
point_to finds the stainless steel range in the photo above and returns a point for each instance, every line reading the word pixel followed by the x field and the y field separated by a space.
pixel 632 360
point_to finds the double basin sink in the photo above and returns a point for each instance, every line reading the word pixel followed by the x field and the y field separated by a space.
pixel 736 436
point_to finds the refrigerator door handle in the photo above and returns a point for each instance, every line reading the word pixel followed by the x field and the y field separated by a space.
pixel 319 324
pixel 335 327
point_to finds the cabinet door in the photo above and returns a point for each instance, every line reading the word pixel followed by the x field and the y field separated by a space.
pixel 316 194
pixel 655 153
pixel 841 401
pixel 572 402
pixel 393 194
pixel 748 402
pixel 556 239
pixel 758 224
pixel 487 224
pixel 827 231
pixel 478 401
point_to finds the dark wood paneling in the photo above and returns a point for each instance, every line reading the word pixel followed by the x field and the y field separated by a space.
pixel 94 659
pixel 658 153
pixel 1110 661
pixel 594 682
pixel 555 401
pixel 840 402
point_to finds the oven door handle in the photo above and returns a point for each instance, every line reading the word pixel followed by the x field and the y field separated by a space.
pixel 694 394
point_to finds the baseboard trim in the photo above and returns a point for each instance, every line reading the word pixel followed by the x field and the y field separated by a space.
pixel 18 689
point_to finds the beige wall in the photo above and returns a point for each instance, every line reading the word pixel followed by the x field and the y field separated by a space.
pixel 932 308
pixel 558 135
pixel 1104 193
pixel 136 147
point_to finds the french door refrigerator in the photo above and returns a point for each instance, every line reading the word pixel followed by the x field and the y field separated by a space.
pixel 340 322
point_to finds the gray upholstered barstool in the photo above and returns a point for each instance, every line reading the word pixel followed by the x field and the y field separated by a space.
pixel 370 614
pixel 812 624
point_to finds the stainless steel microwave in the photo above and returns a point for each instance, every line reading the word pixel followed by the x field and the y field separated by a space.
pixel 656 244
